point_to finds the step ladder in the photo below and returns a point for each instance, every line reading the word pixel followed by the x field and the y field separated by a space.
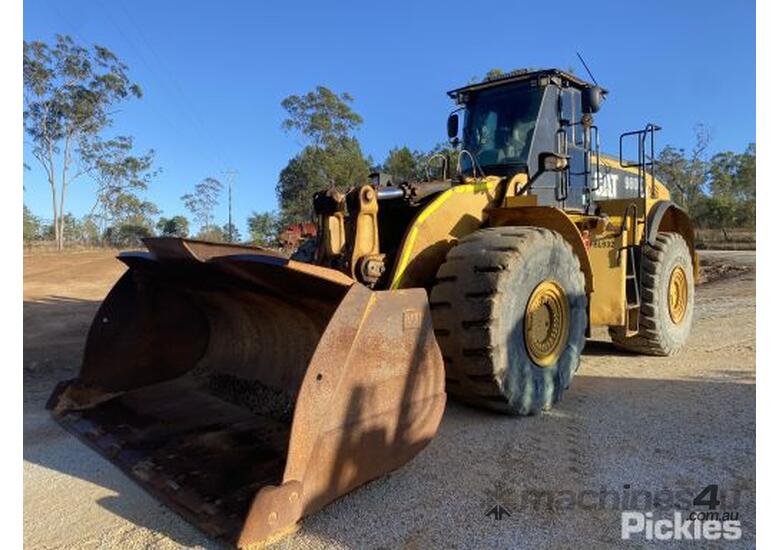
pixel 633 296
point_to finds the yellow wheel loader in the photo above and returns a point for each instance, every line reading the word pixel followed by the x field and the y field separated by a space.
pixel 246 390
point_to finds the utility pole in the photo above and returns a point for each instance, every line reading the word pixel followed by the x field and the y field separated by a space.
pixel 231 174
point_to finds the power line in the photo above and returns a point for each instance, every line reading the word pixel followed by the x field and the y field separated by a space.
pixel 216 147
pixel 166 78
pixel 68 22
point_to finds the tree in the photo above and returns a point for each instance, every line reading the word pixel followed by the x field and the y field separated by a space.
pixel 732 185
pixel 69 95
pixel 734 174
pixel 213 233
pixel 671 168
pixel 71 228
pixel 118 175
pixel 719 212
pixel 303 176
pixel 203 201
pixel 177 226
pixel 404 164
pixel 90 232
pixel 493 73
pixel 332 157
pixel 126 235
pixel 686 175
pixel 321 115
pixel 131 210
pixel 230 233
pixel 31 230
pixel 263 227
pixel 498 72
pixel 719 192
pixel 341 165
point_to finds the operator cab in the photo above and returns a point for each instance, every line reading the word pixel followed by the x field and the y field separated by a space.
pixel 508 121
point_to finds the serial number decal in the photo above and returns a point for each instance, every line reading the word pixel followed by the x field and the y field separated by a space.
pixel 604 243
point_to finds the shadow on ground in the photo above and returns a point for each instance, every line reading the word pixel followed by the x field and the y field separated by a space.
pixel 607 432
pixel 55 330
pixel 599 348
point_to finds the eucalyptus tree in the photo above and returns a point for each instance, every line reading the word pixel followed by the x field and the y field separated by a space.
pixel 203 200
pixel 70 95
pixel 331 156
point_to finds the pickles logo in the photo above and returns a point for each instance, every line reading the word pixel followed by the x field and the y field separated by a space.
pixel 680 527
pixel 709 524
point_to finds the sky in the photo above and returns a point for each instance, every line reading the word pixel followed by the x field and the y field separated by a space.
pixel 214 74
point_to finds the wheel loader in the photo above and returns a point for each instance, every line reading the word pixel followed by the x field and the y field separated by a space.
pixel 246 390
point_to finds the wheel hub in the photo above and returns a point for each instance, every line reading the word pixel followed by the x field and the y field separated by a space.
pixel 546 323
pixel 678 295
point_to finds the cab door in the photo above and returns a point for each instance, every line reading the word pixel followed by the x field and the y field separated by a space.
pixel 571 140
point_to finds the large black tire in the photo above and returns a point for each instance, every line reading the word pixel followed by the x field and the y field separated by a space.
pixel 659 334
pixel 479 304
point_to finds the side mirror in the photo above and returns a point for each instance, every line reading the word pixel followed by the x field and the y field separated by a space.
pixel 452 127
pixel 552 162
pixel 548 162
pixel 592 98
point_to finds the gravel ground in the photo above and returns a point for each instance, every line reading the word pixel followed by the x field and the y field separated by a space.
pixel 678 423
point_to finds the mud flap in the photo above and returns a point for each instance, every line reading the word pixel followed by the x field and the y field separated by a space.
pixel 246 391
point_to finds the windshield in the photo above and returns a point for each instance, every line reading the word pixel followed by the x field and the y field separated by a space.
pixel 500 125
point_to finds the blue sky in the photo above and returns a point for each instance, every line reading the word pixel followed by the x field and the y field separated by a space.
pixel 214 73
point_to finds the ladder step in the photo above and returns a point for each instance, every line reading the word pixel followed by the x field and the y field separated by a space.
pixel 632 293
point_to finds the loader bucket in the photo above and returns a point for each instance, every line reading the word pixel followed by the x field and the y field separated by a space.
pixel 245 390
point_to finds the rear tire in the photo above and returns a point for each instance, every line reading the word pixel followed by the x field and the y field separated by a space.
pixel 666 312
pixel 496 356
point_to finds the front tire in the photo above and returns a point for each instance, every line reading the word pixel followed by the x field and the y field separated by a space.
pixel 510 314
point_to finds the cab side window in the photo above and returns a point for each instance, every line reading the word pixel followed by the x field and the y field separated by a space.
pixel 571 117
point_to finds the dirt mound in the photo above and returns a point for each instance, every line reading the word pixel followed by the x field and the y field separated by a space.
pixel 716 269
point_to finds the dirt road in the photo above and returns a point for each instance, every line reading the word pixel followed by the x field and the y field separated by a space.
pixel 651 424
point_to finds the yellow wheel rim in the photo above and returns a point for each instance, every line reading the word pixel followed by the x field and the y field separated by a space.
pixel 546 323
pixel 678 295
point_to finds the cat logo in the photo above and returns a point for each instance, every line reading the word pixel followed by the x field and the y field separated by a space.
pixel 412 319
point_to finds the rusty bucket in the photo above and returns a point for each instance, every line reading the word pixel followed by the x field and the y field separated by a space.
pixel 246 390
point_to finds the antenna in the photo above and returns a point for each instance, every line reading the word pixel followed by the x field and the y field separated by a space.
pixel 593 78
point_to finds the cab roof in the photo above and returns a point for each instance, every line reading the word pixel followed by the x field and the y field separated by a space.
pixel 523 75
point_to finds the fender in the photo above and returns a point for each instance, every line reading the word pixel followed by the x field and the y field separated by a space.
pixel 667 216
pixel 549 218
pixel 455 213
